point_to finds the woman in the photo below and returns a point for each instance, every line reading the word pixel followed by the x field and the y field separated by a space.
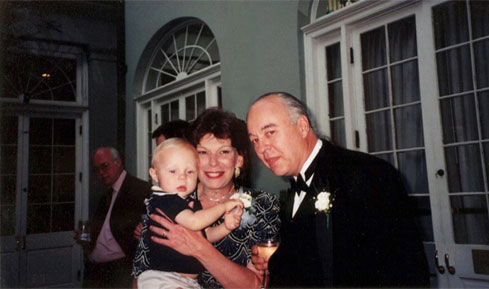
pixel 223 146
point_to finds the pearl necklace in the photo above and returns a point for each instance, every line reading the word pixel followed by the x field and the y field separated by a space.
pixel 219 198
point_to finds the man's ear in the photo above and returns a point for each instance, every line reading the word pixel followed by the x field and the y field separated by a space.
pixel 303 125
pixel 152 173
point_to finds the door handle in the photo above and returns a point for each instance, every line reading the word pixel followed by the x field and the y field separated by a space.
pixel 451 269
pixel 440 269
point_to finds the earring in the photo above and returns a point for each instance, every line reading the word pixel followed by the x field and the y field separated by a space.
pixel 237 171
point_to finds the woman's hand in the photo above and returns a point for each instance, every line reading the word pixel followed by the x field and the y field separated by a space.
pixel 182 240
pixel 137 231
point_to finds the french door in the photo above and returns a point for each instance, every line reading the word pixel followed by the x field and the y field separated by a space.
pixel 408 81
pixel 40 190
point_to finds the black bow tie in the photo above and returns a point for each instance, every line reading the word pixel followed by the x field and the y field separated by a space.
pixel 299 185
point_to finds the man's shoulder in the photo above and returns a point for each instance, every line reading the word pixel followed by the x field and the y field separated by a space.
pixel 131 181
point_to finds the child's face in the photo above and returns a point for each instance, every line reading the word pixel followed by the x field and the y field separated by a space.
pixel 175 170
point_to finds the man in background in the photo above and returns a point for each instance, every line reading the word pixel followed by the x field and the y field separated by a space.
pixel 174 128
pixel 112 246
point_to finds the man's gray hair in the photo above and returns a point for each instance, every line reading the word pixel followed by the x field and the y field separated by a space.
pixel 295 107
pixel 115 153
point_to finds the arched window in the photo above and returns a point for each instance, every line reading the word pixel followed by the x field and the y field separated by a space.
pixel 186 49
pixel 182 77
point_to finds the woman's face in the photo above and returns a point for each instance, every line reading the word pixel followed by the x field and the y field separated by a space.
pixel 217 161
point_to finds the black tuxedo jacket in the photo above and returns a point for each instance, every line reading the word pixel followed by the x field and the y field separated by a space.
pixel 126 214
pixel 369 239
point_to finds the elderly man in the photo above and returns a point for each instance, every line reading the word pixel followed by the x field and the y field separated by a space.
pixel 113 247
pixel 346 220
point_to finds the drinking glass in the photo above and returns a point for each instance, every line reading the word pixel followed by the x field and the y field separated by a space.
pixel 268 241
pixel 85 231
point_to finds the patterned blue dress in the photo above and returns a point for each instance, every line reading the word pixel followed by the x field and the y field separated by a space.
pixel 237 245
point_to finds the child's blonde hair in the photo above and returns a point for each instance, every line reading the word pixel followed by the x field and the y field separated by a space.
pixel 172 142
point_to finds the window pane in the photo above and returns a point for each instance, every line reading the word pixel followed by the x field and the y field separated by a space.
pixel 379 131
pixel 63 217
pixel 8 155
pixel 38 219
pixel 470 221
pixel 480 22
pixel 39 189
pixel 9 129
pixel 454 70
pixel 423 214
pixel 8 190
pixel 459 119
pixel 412 166
pixel 387 157
pixel 481 60
pixel 333 61
pixel 338 132
pixel 486 159
pixel 64 131
pixel 484 113
pixel 200 102
pixel 41 131
pixel 373 49
pixel 7 220
pixel 402 39
pixel 40 160
pixel 464 169
pixel 174 110
pixel 190 107
pixel 64 188
pixel 376 89
pixel 409 127
pixel 335 94
pixel 165 113
pixel 450 23
pixel 405 82
pixel 64 159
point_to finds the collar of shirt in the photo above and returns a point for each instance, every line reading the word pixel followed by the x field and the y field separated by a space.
pixel 308 162
pixel 117 185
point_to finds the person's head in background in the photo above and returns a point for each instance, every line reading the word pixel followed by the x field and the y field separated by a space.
pixel 175 128
pixel 107 165
pixel 174 166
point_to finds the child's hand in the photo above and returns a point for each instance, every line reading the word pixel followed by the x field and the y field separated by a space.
pixel 231 204
pixel 233 219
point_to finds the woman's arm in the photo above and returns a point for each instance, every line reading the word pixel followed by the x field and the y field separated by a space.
pixel 191 243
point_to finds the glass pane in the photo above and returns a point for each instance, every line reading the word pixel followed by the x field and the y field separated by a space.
pixel 405 82
pixel 338 132
pixel 333 61
pixel 8 190
pixel 376 89
pixel 480 22
pixel 40 160
pixel 402 39
pixel 454 70
pixel 409 127
pixel 481 60
pixel 373 49
pixel 7 220
pixel 64 159
pixel 41 131
pixel 64 131
pixel 9 130
pixel 190 107
pixel 484 113
pixel 387 157
pixel 39 189
pixel 412 166
pixel 486 159
pixel 8 155
pixel 64 188
pixel 459 119
pixel 379 131
pixel 201 102
pixel 423 214
pixel 450 23
pixel 335 96
pixel 470 221
pixel 464 169
pixel 38 219
pixel 165 113
pixel 63 217
pixel 174 110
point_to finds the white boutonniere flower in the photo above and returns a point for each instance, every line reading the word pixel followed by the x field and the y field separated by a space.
pixel 248 216
pixel 323 203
